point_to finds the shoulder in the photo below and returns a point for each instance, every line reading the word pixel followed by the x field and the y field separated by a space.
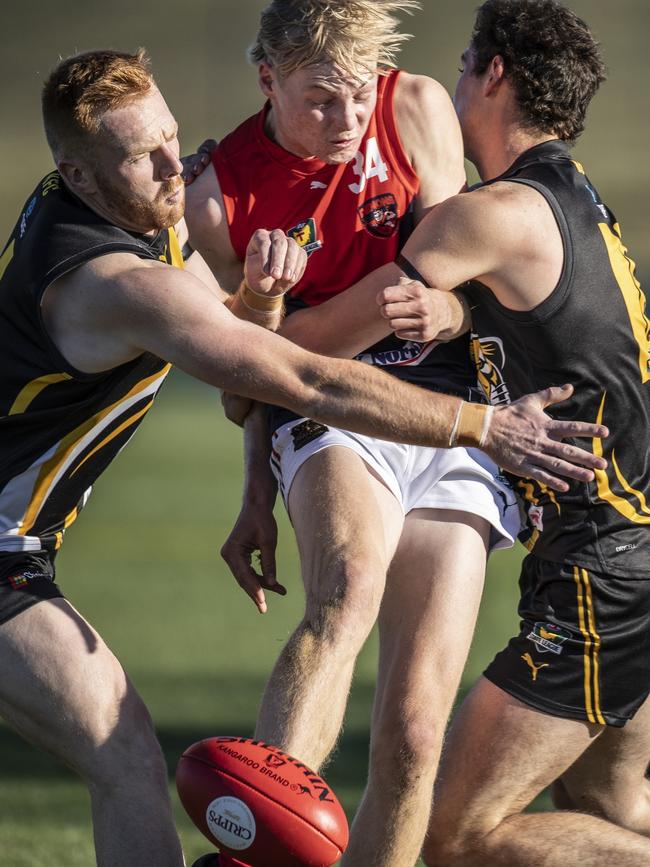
pixel 430 134
pixel 413 93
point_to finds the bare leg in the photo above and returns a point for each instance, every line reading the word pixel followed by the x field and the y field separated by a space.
pixel 347 525
pixel 63 690
pixel 500 754
pixel 609 779
pixel 426 624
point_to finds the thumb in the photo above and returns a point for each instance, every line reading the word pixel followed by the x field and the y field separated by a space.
pixel 554 394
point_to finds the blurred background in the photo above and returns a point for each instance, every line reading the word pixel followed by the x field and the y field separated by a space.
pixel 142 563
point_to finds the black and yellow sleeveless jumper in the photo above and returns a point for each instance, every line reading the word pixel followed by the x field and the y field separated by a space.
pixel 60 428
pixel 593 332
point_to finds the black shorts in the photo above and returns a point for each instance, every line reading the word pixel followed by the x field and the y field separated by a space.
pixel 583 651
pixel 25 579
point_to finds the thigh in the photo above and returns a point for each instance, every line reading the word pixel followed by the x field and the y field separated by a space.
pixel 347 523
pixel 429 610
pixel 60 685
pixel 498 756
pixel 609 778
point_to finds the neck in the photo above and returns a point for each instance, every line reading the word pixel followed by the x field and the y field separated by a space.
pixel 499 152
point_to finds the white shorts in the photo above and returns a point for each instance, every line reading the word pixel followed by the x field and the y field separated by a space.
pixel 462 479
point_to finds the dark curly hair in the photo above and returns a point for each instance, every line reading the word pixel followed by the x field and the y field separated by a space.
pixel 550 57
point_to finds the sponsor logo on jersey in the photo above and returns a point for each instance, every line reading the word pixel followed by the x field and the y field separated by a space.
pixel 549 637
pixel 26 215
pixel 50 182
pixel 306 432
pixel 410 353
pixel 534 669
pixel 317 185
pixel 305 235
pixel 379 215
pixel 18 581
pixel 489 359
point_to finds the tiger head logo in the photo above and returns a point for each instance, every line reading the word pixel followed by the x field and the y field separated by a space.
pixel 489 359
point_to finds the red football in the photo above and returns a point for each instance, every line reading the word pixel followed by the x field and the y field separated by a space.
pixel 260 805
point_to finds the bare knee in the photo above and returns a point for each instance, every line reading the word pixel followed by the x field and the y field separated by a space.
pixel 117 744
pixel 405 750
pixel 342 611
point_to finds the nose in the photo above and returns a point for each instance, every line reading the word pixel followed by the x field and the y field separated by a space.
pixel 170 164
pixel 346 117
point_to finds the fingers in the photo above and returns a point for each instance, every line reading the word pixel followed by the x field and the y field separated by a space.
pixel 267 565
pixel 405 290
pixel 236 408
pixel 207 146
pixel 278 257
pixel 193 166
pixel 238 560
pixel 559 430
pixel 574 455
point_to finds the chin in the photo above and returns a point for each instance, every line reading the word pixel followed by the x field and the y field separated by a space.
pixel 338 157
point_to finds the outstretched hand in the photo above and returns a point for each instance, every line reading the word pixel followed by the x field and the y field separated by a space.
pixel 526 441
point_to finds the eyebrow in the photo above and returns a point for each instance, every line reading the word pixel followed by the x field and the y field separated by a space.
pixel 144 147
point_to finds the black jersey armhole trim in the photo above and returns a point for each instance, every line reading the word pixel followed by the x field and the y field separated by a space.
pixel 61 270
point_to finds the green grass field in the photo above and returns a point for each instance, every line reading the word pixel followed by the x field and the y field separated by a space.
pixel 142 564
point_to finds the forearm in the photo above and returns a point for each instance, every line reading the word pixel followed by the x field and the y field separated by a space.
pixel 346 324
pixel 259 483
pixel 355 396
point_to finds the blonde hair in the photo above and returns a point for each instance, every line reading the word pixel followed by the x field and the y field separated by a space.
pixel 353 34
pixel 82 88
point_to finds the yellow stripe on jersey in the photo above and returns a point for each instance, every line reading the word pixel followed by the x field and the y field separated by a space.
pixel 27 394
pixel 118 430
pixel 6 258
pixel 67 445
pixel 176 254
pixel 623 507
pixel 579 167
pixel 635 302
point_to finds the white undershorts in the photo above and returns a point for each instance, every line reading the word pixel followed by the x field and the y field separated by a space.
pixel 462 479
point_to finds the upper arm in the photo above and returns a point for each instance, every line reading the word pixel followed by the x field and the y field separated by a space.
pixel 504 236
pixel 207 222
pixel 431 136
pixel 117 307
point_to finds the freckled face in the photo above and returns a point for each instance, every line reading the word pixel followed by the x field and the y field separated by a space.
pixel 137 167
pixel 319 111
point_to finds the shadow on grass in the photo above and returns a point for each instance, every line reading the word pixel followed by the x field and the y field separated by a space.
pixel 346 772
